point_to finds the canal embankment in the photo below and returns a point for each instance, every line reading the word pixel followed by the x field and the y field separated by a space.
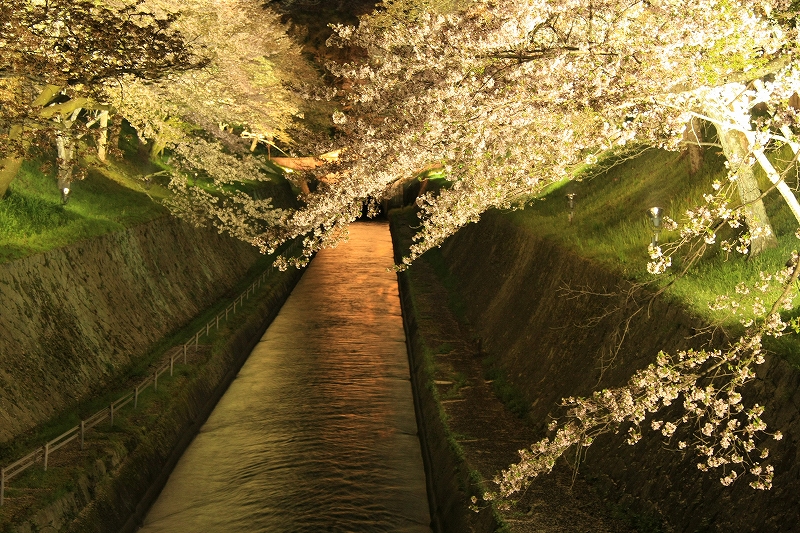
pixel 76 318
pixel 545 323
pixel 181 272
pixel 469 434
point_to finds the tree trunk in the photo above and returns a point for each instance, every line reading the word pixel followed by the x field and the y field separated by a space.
pixel 102 140
pixel 157 146
pixel 736 148
pixel 66 152
pixel 9 168
pixel 692 137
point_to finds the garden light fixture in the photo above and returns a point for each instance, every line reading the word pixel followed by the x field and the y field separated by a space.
pixel 655 214
pixel 571 205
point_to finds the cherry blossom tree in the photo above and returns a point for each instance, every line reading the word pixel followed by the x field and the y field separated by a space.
pixel 251 92
pixel 510 96
pixel 59 55
pixel 503 97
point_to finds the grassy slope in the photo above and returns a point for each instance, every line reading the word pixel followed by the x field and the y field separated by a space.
pixel 112 197
pixel 33 220
pixel 610 225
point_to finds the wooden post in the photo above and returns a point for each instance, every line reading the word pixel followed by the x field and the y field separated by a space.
pixel 155 380
pixel 83 427
pixel 184 354
pixel 46 455
pixel 196 340
pixel 208 328
pixel 112 413
pixel 2 484
pixel 135 398
pixel 226 313
pixel 234 307
pixel 217 322
pixel 171 363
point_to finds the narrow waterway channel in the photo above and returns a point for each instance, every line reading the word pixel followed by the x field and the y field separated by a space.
pixel 317 432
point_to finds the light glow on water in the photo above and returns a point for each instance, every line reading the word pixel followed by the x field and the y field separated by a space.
pixel 317 432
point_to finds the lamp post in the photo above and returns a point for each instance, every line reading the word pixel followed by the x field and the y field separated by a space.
pixel 65 195
pixel 655 214
pixel 571 205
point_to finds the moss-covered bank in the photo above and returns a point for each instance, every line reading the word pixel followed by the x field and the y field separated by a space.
pixel 75 318
pixel 449 485
pixel 87 319
pixel 127 467
pixel 559 325
pixel 468 432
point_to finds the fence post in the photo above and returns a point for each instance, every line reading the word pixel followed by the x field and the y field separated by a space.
pixel 184 353
pixel 2 484
pixel 226 313
pixel 112 413
pixel 171 363
pixel 208 328
pixel 135 398
pixel 155 380
pixel 46 455
pixel 83 428
pixel 196 340
pixel 234 307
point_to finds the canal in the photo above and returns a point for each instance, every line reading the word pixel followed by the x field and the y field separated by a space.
pixel 317 432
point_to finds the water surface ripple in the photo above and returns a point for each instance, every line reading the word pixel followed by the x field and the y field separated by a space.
pixel 317 432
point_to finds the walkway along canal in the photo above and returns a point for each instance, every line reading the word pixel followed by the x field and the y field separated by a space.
pixel 317 432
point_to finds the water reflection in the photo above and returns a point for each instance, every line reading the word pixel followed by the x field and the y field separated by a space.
pixel 317 432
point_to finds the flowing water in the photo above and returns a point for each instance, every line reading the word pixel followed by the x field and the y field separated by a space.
pixel 317 432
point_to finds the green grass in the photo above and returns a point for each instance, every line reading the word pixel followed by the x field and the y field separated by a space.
pixel 33 219
pixel 113 196
pixel 610 225
pixel 610 222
